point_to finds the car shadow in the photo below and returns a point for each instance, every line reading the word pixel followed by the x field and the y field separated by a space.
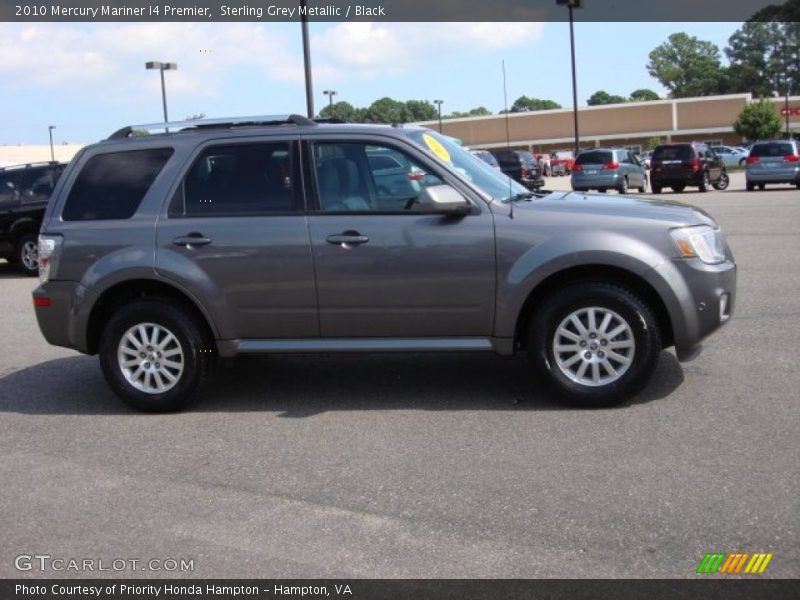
pixel 305 386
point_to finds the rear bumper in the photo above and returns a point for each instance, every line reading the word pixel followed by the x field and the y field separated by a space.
pixel 773 176
pixel 58 322
pixel 699 298
pixel 680 178
pixel 532 184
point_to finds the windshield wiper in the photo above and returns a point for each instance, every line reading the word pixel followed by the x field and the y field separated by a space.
pixel 520 196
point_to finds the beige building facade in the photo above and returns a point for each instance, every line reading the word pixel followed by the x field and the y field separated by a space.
pixel 628 125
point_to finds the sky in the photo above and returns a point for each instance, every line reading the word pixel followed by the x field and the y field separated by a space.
pixel 88 79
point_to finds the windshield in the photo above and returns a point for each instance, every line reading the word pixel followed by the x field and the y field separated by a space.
pixel 472 168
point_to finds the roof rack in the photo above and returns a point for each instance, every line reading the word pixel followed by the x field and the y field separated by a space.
pixel 31 164
pixel 220 123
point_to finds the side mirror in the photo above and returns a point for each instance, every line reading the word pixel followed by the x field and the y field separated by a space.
pixel 443 200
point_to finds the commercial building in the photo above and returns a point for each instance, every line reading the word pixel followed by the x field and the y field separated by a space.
pixel 629 125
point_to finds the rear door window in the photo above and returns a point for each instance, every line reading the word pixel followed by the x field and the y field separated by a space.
pixel 672 153
pixel 112 185
pixel 772 149
pixel 595 158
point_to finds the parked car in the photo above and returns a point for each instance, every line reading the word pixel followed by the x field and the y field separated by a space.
pixel 24 192
pixel 686 164
pixel 259 235
pixel 731 157
pixel 521 166
pixel 605 169
pixel 561 162
pixel 487 157
pixel 774 161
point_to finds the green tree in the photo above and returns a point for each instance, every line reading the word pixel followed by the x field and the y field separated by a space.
pixel 652 142
pixel 344 111
pixel 603 97
pixel 643 95
pixel 480 111
pixel 687 66
pixel 758 120
pixel 788 12
pixel 525 104
pixel 764 58
pixel 421 110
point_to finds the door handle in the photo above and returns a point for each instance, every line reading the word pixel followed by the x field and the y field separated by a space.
pixel 192 239
pixel 347 239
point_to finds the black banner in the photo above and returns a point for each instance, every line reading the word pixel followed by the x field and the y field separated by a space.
pixel 395 589
pixel 397 10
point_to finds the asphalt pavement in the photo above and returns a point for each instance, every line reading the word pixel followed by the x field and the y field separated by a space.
pixel 398 466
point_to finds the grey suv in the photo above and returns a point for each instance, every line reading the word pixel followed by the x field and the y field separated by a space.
pixel 261 235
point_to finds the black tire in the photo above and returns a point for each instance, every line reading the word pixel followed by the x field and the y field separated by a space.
pixel 723 182
pixel 602 190
pixel 642 189
pixel 762 186
pixel 656 188
pixel 742 162
pixel 25 263
pixel 678 188
pixel 705 183
pixel 623 186
pixel 198 354
pixel 628 306
pixel 750 186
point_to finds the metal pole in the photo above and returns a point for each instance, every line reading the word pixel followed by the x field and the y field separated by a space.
pixel 52 152
pixel 440 117
pixel 164 95
pixel 307 61
pixel 574 79
pixel 330 101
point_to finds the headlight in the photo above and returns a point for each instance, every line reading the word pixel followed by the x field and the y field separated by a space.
pixel 702 241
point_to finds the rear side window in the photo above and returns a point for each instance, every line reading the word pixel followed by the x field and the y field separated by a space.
pixel 595 158
pixel 112 185
pixel 239 180
pixel 773 149
pixel 508 159
pixel 673 153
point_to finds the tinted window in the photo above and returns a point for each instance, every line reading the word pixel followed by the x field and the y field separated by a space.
pixel 672 153
pixel 595 158
pixel 772 149
pixel 508 159
pixel 357 177
pixel 243 179
pixel 111 186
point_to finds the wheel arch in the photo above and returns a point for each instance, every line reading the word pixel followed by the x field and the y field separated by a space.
pixel 128 291
pixel 596 272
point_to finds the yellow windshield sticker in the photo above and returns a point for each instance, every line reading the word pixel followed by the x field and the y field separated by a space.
pixel 436 147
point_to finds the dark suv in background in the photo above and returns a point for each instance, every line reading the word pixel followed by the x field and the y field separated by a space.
pixel 282 235
pixel 690 164
pixel 24 193
pixel 521 166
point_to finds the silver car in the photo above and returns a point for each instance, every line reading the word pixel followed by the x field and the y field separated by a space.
pixel 776 161
pixel 731 157
pixel 604 169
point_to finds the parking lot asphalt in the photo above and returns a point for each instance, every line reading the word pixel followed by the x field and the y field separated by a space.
pixel 421 466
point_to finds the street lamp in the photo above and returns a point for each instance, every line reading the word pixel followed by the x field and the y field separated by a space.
pixel 572 5
pixel 162 66
pixel 330 94
pixel 439 104
pixel 307 58
pixel 52 152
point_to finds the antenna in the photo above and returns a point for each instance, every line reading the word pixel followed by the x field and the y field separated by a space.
pixel 508 138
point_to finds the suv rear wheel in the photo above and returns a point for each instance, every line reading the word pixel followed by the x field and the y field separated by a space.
pixel 27 254
pixel 154 356
pixel 594 344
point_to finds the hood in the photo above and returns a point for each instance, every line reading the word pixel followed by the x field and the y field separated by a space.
pixel 629 207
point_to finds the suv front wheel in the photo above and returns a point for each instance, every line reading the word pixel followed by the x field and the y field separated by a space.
pixel 594 344
pixel 154 356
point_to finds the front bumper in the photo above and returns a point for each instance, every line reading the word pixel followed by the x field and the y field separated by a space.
pixel 699 298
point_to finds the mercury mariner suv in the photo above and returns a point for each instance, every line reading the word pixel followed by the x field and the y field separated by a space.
pixel 162 253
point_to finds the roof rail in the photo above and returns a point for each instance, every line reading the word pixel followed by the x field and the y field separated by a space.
pixel 31 164
pixel 213 123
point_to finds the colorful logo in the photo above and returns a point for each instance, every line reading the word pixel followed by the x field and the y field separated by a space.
pixel 736 562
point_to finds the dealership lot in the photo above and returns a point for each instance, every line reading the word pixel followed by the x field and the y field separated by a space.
pixel 422 466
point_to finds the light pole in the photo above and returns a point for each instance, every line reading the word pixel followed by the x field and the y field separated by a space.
pixel 162 66
pixel 439 104
pixel 52 152
pixel 330 94
pixel 786 85
pixel 307 59
pixel 572 5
